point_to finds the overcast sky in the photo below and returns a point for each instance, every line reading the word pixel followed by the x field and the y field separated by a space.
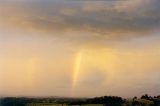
pixel 79 48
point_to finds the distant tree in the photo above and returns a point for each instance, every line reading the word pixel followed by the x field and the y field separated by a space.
pixel 134 98
pixel 145 96
pixel 107 100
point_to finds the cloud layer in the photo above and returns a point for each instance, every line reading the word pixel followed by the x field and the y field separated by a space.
pixel 99 19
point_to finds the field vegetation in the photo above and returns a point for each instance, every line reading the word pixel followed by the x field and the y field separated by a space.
pixel 144 100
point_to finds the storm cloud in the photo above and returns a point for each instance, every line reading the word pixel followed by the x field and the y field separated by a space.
pixel 100 19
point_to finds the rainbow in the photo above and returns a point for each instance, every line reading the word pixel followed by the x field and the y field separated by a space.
pixel 76 69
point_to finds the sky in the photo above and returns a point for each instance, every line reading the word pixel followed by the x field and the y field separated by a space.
pixel 79 48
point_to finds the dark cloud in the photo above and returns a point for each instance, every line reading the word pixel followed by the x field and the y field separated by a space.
pixel 101 19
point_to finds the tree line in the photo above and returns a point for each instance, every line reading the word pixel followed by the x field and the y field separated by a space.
pixel 144 100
